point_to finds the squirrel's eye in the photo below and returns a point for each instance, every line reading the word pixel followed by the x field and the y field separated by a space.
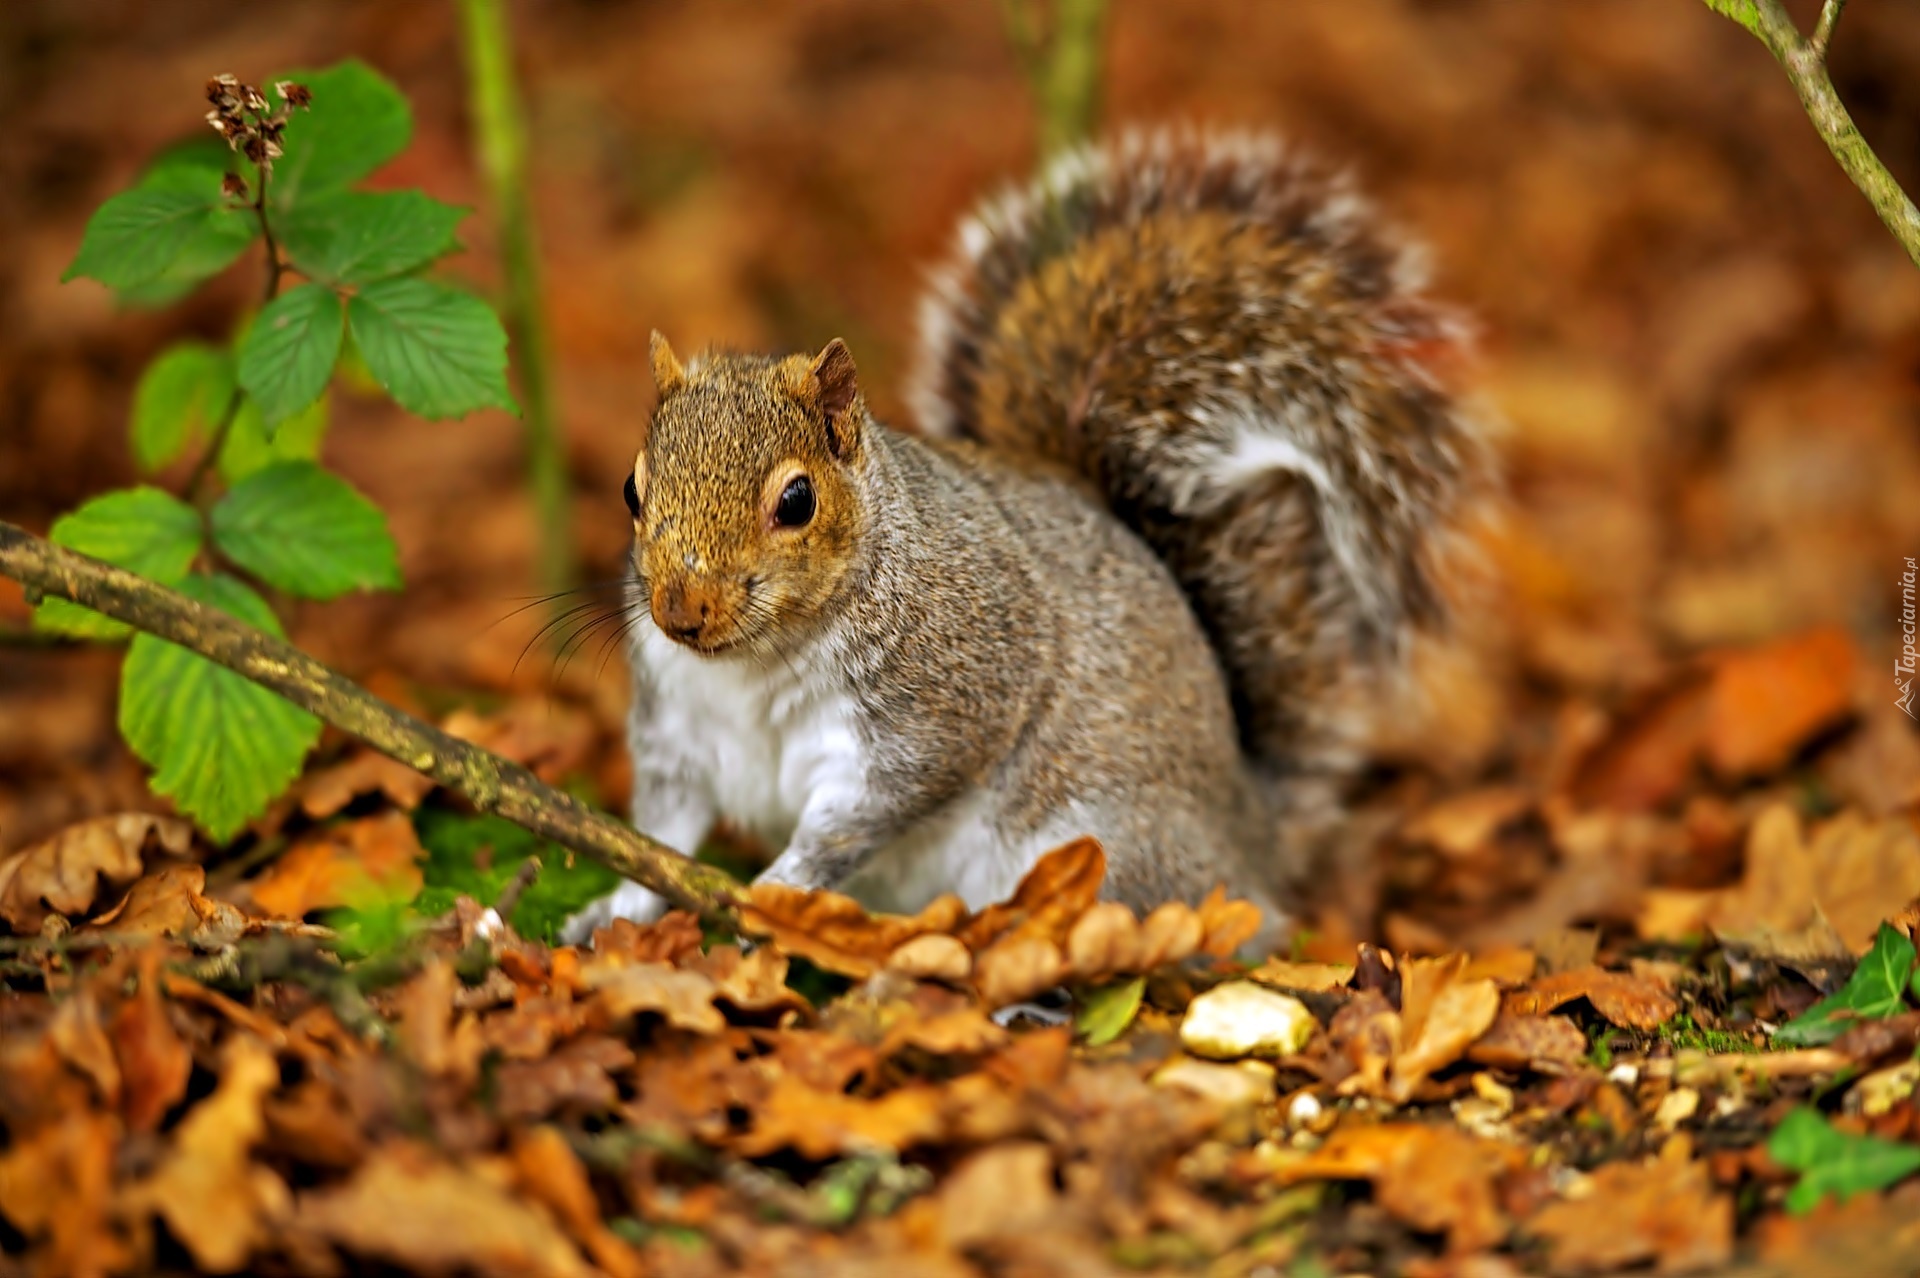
pixel 796 503
pixel 631 491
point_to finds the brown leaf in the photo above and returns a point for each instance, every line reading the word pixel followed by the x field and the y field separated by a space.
pixel 77 1034
pixel 827 1124
pixel 1663 1210
pixel 1016 968
pixel 69 873
pixel 1463 824
pixel 213 1198
pixel 168 903
pixel 309 1123
pixel 1002 1191
pixel 756 982
pixel 1653 757
pixel 576 1077
pixel 548 1172
pixel 1550 1044
pixel 154 1063
pixel 833 931
pixel 57 1187
pixel 1061 886
pixel 1226 925
pixel 1440 1014
pixel 1366 1033
pixel 932 957
pixel 1769 701
pixel 323 792
pixel 1434 1178
pixel 1637 1002
pixel 684 998
pixel 407 1207
pixel 1866 872
pixel 549 737
pixel 343 864
pixel 964 1031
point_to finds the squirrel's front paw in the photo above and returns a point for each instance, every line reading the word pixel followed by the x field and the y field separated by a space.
pixel 628 901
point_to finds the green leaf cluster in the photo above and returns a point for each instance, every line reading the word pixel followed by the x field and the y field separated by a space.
pixel 1833 1162
pixel 1877 989
pixel 478 856
pixel 220 746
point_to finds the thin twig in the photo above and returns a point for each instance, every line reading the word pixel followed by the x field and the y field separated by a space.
pixel 1805 64
pixel 484 779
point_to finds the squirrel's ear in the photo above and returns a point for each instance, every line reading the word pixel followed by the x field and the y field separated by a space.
pixel 836 385
pixel 668 376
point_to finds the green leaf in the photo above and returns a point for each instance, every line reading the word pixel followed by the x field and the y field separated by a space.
pixel 221 747
pixel 356 237
pixel 288 354
pixel 438 351
pixel 181 397
pixel 477 856
pixel 306 531
pixel 1104 1013
pixel 140 235
pixel 141 529
pixel 358 121
pixel 249 447
pixel 1836 1163
pixel 1873 991
pixel 198 165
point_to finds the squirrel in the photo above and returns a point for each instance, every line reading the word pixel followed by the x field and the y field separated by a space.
pixel 1185 471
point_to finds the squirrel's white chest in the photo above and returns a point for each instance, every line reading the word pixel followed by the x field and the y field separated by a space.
pixel 767 741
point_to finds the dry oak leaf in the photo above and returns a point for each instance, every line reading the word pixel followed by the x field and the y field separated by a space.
pixel 154 1063
pixel 169 903
pixel 1441 1014
pixel 575 1077
pixel 325 791
pixel 1018 967
pixel 684 998
pixel 1462 825
pixel 1003 1191
pixel 1767 702
pixel 833 931
pixel 1652 757
pixel 755 982
pixel 215 1200
pixel 68 873
pixel 1314 978
pixel 963 1031
pixel 550 738
pixel 1433 1178
pixel 933 957
pixel 549 1172
pixel 1051 897
pixel 1637 1002
pixel 406 1206
pixel 1664 1210
pixel 1548 1044
pixel 343 864
pixel 57 1186
pixel 823 1125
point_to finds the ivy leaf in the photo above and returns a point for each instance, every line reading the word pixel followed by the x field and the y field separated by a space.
pixel 250 446
pixel 438 351
pixel 306 531
pixel 142 530
pixel 142 234
pixel 180 397
pixel 1873 991
pixel 454 842
pixel 1104 1013
pixel 358 121
pixel 1833 1162
pixel 288 353
pixel 221 747
pixel 357 237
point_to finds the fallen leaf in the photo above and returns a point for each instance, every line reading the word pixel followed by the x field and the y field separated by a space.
pixel 1549 1044
pixel 154 1063
pixel 1103 1013
pixel 548 1172
pixel 1877 989
pixel 1311 977
pixel 215 1200
pixel 1051 897
pixel 827 1124
pixel 964 1031
pixel 343 864
pixel 1018 967
pixel 1652 757
pixel 57 1186
pixel 1768 701
pixel 1464 823
pixel 69 873
pixel 169 903
pixel 1441 1014
pixel 549 737
pixel 407 1207
pixel 833 931
pixel 574 1078
pixel 1664 1210
pixel 1804 897
pixel 323 792
pixel 1637 1002
pixel 932 957
pixel 684 998
pixel 999 1192
pixel 1434 1178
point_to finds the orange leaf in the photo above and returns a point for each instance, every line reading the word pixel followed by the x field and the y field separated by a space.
pixel 1664 1210
pixel 70 872
pixel 342 865
pixel 1061 886
pixel 1769 701
pixel 1638 1002
pixel 1434 1178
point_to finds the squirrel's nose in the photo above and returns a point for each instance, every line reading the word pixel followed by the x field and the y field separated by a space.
pixel 680 612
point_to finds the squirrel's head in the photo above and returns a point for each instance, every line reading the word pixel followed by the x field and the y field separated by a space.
pixel 744 500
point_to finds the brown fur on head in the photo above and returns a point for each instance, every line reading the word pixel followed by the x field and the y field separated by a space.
pixel 724 563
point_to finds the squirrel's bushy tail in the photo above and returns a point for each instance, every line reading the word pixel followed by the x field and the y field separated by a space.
pixel 1221 337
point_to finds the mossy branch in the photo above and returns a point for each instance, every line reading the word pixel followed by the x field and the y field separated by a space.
pixel 1805 62
pixel 489 782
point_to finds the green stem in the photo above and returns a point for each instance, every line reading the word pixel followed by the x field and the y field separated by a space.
pixel 500 137
pixel 1070 89
pixel 1805 64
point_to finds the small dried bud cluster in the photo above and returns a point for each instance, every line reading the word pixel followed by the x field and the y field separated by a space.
pixel 250 123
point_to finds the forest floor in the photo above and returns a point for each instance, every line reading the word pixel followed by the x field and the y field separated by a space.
pixel 1616 973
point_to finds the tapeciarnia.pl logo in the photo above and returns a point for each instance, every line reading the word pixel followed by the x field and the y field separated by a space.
pixel 1903 665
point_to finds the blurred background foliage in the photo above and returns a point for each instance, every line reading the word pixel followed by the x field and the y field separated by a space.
pixel 1704 347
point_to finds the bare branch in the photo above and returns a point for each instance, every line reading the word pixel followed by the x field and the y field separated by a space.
pixel 1823 30
pixel 489 782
